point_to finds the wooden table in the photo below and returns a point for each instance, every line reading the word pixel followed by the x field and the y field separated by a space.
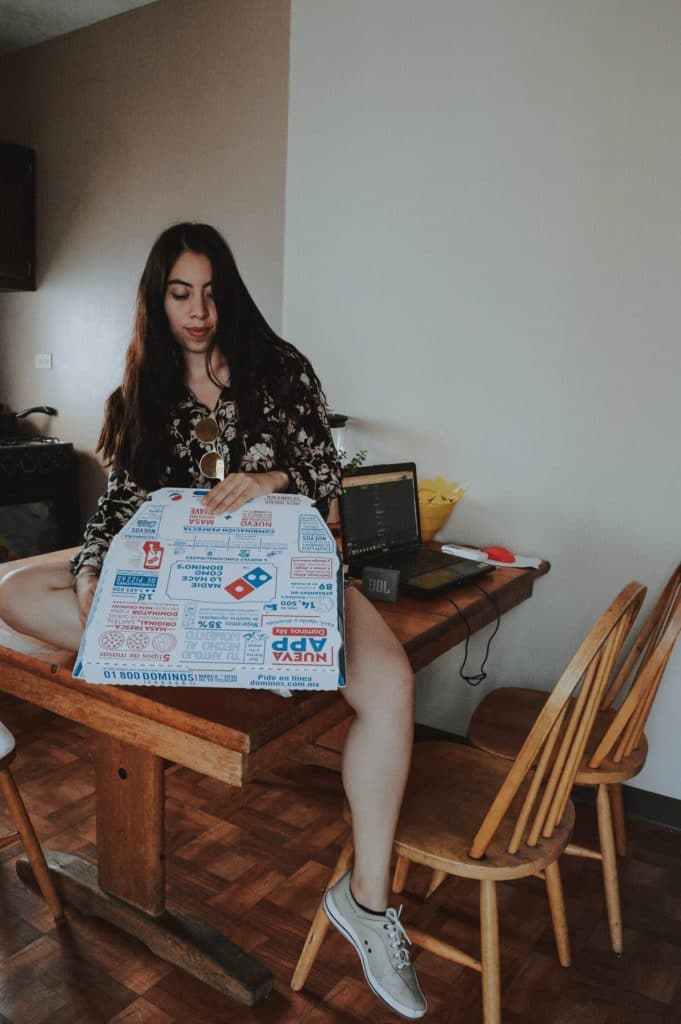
pixel 233 735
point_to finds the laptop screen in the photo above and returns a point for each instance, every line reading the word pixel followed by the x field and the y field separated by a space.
pixel 379 510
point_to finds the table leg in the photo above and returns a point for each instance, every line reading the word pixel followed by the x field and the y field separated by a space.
pixel 127 888
pixel 130 824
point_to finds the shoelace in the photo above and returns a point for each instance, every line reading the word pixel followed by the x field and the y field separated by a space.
pixel 398 937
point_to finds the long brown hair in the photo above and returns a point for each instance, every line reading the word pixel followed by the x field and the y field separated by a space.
pixel 134 435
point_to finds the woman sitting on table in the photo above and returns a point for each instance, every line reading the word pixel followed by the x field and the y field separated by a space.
pixel 212 397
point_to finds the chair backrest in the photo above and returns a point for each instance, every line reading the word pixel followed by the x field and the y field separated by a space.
pixel 551 754
pixel 645 664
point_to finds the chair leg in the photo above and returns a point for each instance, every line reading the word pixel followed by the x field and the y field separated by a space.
pixel 400 876
pixel 554 889
pixel 36 857
pixel 617 809
pixel 489 948
pixel 320 924
pixel 612 894
pixel 436 881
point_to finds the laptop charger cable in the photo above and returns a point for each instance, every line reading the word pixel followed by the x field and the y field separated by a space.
pixel 477 678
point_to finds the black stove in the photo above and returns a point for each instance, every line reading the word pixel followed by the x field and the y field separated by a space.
pixel 38 496
pixel 17 441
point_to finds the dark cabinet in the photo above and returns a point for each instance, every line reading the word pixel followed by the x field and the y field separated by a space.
pixel 17 217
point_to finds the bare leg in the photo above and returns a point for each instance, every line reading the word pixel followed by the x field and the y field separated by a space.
pixel 377 751
pixel 39 601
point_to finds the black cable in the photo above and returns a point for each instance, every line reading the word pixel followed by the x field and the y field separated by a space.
pixel 475 680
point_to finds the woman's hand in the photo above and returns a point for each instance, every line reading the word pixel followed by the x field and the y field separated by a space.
pixel 85 585
pixel 238 488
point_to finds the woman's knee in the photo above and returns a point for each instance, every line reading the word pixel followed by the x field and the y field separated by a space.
pixel 404 683
pixel 379 673
pixel 12 597
pixel 384 682
pixel 397 667
pixel 25 593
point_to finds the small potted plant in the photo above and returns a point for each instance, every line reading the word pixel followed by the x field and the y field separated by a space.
pixel 349 465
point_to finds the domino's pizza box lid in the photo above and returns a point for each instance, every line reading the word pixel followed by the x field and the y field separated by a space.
pixel 249 599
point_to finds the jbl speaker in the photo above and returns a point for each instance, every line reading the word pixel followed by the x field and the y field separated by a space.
pixel 380 584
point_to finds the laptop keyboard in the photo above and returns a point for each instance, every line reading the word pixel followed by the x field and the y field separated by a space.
pixel 415 563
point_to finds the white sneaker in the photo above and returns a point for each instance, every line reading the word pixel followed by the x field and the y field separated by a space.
pixel 381 942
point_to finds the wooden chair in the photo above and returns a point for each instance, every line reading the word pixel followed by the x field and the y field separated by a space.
pixel 618 747
pixel 471 814
pixel 22 823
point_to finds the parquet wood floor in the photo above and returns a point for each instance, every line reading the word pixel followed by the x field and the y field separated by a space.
pixel 254 862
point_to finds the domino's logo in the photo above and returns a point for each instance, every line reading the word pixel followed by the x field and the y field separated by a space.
pixel 251 581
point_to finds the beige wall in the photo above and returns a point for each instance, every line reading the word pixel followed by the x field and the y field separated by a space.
pixel 482 248
pixel 483 242
pixel 174 111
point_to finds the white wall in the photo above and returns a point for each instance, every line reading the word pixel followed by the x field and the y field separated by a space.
pixel 482 254
pixel 172 112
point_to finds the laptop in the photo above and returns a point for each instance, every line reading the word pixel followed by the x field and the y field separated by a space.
pixel 380 527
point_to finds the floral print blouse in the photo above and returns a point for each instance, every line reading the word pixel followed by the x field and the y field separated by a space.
pixel 298 442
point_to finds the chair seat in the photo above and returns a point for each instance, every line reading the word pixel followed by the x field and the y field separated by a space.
pixel 501 722
pixel 450 789
pixel 7 743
